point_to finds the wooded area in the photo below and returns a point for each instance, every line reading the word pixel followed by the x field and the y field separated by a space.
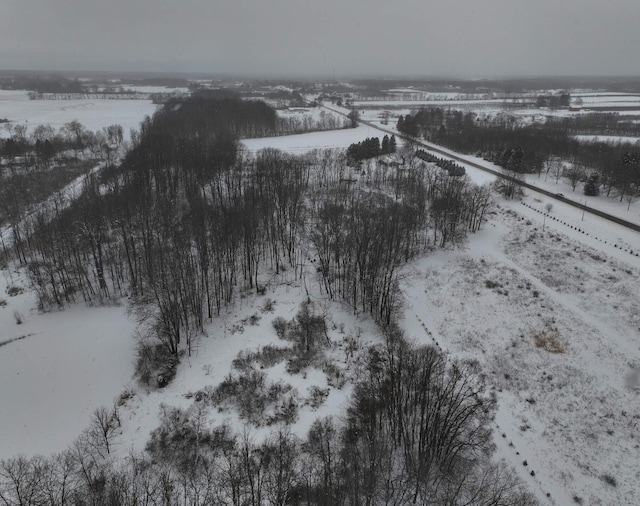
pixel 187 222
pixel 537 148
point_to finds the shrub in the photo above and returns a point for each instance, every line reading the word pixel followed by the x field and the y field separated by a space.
pixel 286 411
pixel 317 396
pixel 268 356
pixel 250 394
pixel 335 375
pixel 609 480
pixel 549 340
pixel 155 365
pixel 272 355
pixel 280 325
pixel 3 303
pixel 268 306
pixel 182 437
pixel 14 290
pixel 298 363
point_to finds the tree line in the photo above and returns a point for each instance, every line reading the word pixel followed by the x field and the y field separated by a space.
pixel 370 148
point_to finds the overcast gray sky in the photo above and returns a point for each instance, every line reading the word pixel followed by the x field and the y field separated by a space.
pixel 466 38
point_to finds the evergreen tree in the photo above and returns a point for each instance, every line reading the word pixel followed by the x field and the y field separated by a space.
pixel 592 186
pixel 392 144
pixel 385 145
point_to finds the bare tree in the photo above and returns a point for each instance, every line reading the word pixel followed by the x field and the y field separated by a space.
pixel 103 429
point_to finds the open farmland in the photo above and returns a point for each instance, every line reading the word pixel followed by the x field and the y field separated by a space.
pixel 94 114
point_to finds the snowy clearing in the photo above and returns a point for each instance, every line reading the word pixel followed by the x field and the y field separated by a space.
pixel 610 139
pixel 303 143
pixel 56 368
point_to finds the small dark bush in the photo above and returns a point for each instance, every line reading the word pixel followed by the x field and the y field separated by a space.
pixel 609 480
pixel 492 284
pixel 155 365
pixel 14 290
pixel 181 437
pixel 335 375
pixel 297 364
pixel 280 325
pixel 317 396
pixel 286 411
pixel 250 394
pixel 268 356
pixel 254 319
pixel 268 306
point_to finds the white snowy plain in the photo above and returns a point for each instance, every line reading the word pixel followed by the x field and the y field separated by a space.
pixel 94 114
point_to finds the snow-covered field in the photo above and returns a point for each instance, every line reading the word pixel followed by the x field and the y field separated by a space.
pixel 303 143
pixel 554 324
pixel 94 114
pixel 435 102
pixel 409 100
pixel 608 99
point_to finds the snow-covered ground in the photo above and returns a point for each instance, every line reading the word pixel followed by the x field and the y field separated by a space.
pixel 564 280
pixel 573 417
pixel 303 143
pixel 610 139
pixel 56 368
pixel 436 102
pixel 94 114
pixel 226 338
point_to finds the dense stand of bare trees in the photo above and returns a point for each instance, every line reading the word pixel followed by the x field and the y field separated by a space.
pixel 187 220
pixel 363 234
pixel 182 223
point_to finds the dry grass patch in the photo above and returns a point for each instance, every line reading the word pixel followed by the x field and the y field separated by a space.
pixel 549 340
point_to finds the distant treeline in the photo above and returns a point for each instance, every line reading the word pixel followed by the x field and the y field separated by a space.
pixel 42 84
pixel 101 95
